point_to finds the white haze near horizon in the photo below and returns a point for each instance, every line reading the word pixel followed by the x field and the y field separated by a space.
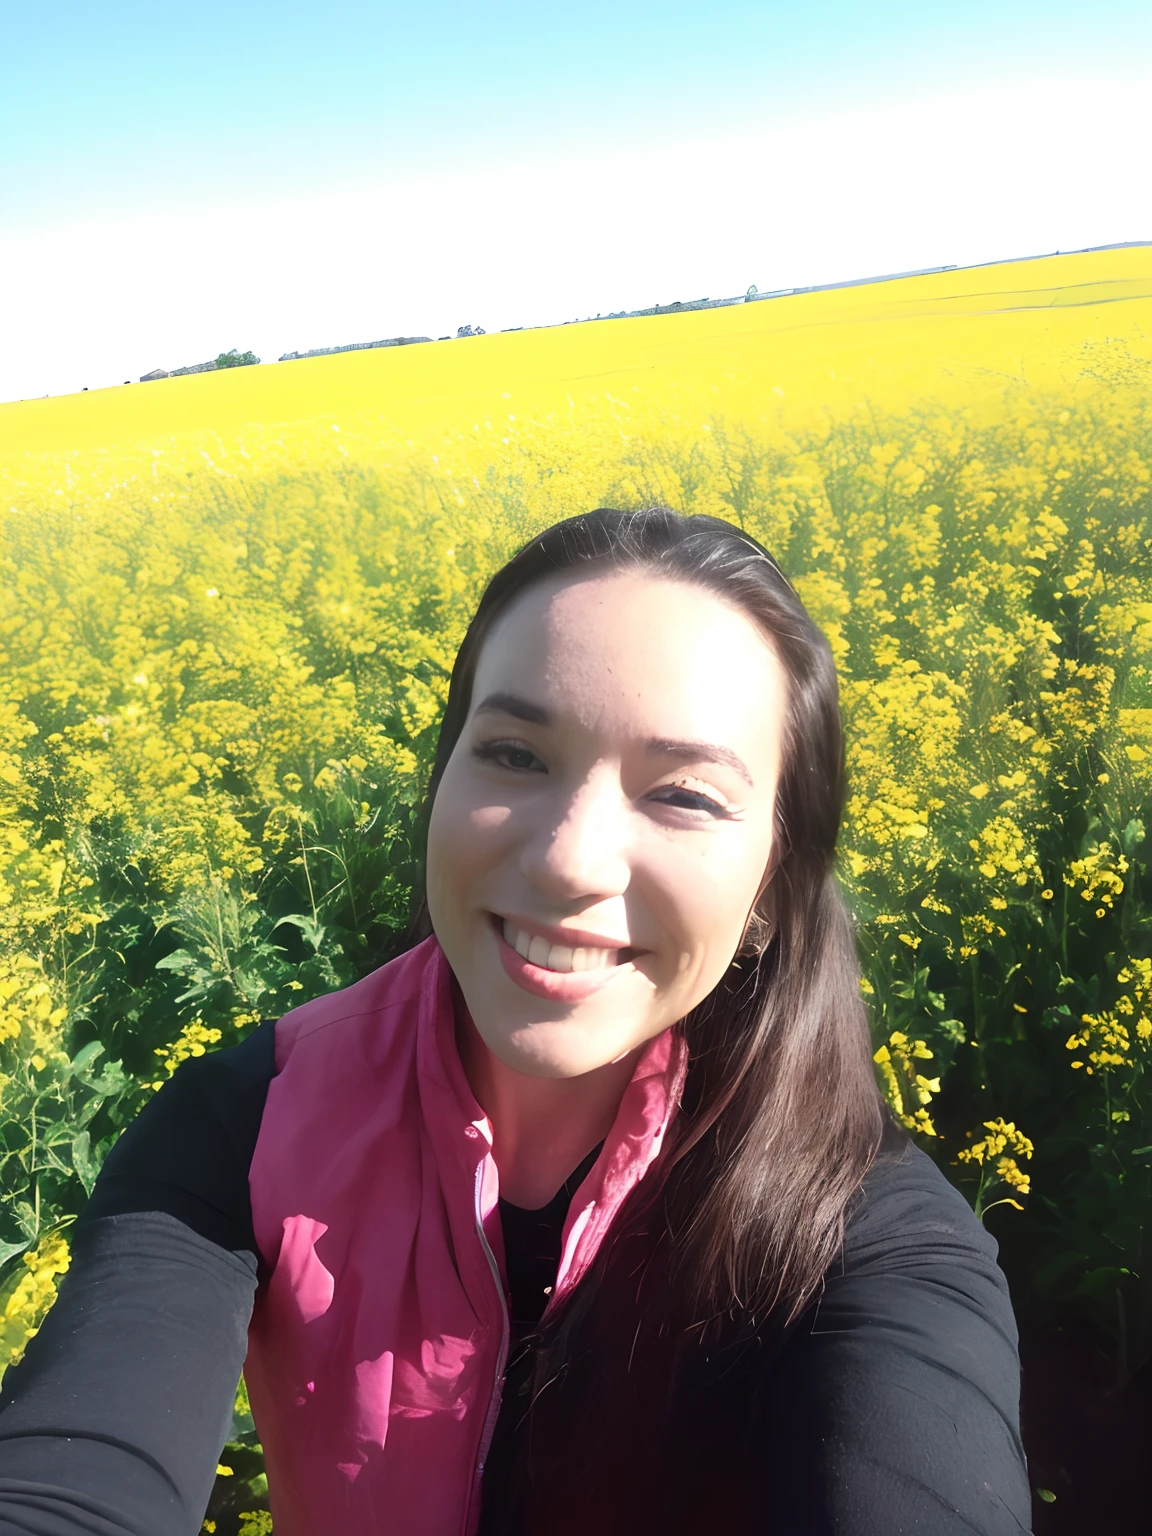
pixel 963 174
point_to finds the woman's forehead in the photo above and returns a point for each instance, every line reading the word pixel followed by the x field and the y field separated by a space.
pixel 626 646
pixel 637 614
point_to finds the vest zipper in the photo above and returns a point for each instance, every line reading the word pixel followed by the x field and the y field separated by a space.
pixel 505 1330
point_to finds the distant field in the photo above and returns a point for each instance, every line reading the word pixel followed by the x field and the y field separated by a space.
pixel 960 337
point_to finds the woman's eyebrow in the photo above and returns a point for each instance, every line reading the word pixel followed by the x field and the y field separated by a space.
pixel 512 704
pixel 699 752
pixel 687 751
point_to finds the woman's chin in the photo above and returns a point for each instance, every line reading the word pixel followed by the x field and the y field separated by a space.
pixel 548 1050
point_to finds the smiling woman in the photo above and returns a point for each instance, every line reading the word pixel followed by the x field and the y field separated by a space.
pixel 597 843
pixel 583 1212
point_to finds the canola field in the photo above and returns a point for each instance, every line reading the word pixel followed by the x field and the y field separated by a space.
pixel 228 611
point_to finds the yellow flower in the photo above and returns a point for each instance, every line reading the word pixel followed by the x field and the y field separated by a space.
pixel 1011 1172
pixel 999 1150
pixel 1104 1039
pixel 193 1040
pixel 903 1084
pixel 1097 874
pixel 31 1297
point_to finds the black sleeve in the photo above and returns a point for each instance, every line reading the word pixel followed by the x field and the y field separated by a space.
pixel 895 1406
pixel 113 1422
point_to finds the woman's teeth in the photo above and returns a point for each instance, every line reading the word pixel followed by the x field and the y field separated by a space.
pixel 557 957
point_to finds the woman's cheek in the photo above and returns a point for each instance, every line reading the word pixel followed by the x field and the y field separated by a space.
pixel 688 956
pixel 712 929
pixel 465 827
pixel 451 853
pixel 712 915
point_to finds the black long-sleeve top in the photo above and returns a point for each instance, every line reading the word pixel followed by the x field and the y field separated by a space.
pixel 890 1406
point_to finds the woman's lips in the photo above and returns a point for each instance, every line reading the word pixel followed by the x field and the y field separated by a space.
pixel 556 986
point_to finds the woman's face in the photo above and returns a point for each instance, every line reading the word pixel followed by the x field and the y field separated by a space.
pixel 608 810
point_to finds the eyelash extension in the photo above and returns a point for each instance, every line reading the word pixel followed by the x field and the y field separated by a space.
pixel 489 752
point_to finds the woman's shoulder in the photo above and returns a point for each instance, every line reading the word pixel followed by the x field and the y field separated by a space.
pixel 369 1024
pixel 895 1403
pixel 226 1088
pixel 188 1151
pixel 907 1214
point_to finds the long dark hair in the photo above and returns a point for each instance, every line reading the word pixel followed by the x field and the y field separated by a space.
pixel 781 1115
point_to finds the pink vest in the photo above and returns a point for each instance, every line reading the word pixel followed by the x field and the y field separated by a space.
pixel 377 1348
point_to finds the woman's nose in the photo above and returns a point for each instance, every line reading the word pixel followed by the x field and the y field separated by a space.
pixel 581 849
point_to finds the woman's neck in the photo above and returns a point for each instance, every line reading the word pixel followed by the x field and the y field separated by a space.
pixel 542 1127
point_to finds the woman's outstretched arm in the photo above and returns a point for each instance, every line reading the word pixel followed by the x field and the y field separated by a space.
pixel 114 1420
pixel 895 1406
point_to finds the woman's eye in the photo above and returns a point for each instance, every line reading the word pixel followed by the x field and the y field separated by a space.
pixel 692 800
pixel 505 754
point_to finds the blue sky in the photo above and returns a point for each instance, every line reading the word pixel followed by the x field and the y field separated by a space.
pixel 176 179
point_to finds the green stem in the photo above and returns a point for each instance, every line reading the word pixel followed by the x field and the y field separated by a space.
pixel 978 1207
pixel 1064 929
pixel 977 1007
pixel 978 1016
pixel 307 872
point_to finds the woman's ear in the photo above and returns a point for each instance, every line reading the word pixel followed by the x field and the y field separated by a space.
pixel 761 922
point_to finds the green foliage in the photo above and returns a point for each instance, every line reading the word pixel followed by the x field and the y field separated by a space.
pixel 48 1158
